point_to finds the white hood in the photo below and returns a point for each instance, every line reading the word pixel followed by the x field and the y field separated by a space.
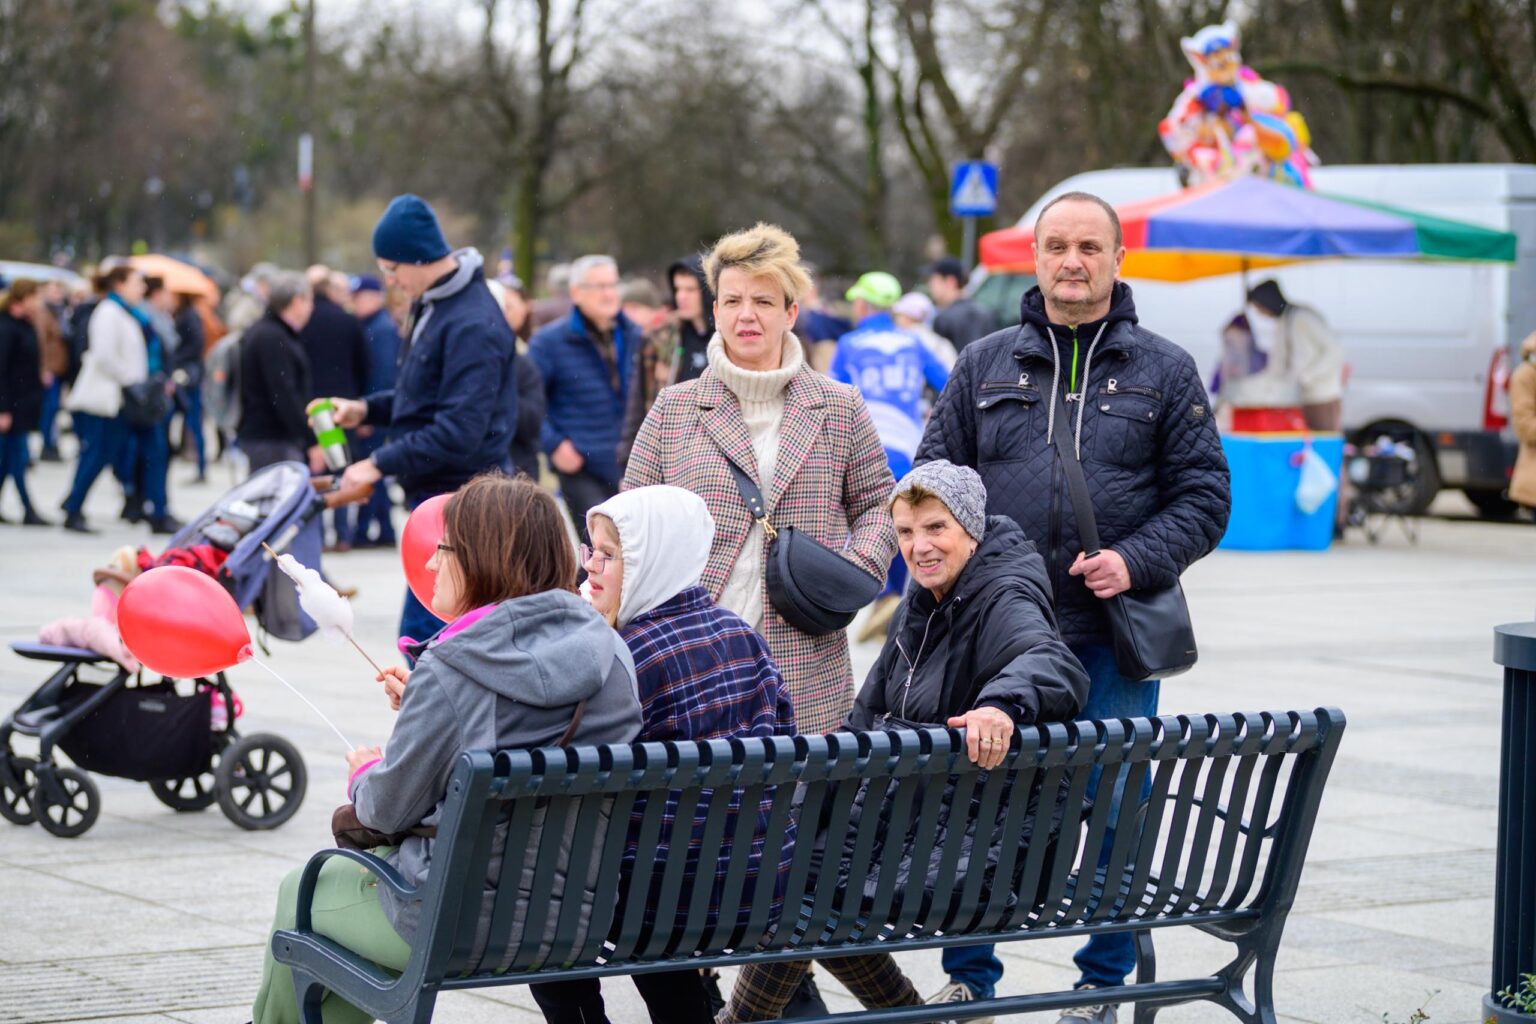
pixel 664 535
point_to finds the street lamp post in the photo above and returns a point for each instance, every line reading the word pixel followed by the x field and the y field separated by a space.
pixel 307 141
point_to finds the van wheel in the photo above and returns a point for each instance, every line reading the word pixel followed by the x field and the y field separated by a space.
pixel 1413 496
pixel 1492 504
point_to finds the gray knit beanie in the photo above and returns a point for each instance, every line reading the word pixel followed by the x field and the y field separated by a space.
pixel 958 487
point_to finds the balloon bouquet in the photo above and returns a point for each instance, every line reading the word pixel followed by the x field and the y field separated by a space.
pixel 1229 121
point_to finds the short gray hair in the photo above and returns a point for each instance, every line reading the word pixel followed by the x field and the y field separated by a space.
pixel 583 266
pixel 283 287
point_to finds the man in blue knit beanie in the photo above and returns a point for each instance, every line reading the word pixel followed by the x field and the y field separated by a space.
pixel 453 407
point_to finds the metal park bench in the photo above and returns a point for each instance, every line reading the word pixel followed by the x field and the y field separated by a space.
pixel 1218 845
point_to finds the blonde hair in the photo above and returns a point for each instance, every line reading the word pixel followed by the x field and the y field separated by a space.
pixel 763 250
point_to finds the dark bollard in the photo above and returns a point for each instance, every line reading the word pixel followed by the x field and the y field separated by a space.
pixel 1514 897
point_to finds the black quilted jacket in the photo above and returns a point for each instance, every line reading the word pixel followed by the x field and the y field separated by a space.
pixel 1148 440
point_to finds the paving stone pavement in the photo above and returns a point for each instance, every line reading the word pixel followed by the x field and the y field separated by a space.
pixel 156 917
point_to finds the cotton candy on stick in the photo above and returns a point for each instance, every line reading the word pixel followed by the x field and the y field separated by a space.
pixel 331 612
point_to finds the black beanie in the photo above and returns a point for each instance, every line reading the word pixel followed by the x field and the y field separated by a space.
pixel 409 233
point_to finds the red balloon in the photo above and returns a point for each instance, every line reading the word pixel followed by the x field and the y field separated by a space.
pixel 423 532
pixel 182 623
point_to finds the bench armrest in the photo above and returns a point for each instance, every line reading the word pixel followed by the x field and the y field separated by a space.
pixel 380 868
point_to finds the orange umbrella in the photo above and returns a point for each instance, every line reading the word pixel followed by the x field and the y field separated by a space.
pixel 181 278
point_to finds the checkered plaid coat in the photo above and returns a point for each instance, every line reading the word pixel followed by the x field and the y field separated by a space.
pixel 831 481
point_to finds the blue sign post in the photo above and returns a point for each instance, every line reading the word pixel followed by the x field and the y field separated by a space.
pixel 972 194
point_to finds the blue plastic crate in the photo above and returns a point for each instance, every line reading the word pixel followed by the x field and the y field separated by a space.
pixel 1265 471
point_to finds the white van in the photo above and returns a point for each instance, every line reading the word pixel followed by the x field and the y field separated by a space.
pixel 1430 345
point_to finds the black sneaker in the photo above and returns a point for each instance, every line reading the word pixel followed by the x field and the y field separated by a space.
pixel 33 519
pixel 164 524
pixel 75 523
pixel 807 1001
pixel 133 512
pixel 50 454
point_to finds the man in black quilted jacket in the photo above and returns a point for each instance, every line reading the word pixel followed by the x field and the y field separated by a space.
pixel 1134 406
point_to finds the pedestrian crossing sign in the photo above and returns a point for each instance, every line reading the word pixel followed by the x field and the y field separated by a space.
pixel 973 189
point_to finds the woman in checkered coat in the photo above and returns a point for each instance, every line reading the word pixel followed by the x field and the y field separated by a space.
pixel 807 441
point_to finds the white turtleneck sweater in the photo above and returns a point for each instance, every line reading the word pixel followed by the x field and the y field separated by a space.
pixel 761 394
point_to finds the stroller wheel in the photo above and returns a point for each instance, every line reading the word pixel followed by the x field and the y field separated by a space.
pixel 66 801
pixel 191 793
pixel 260 781
pixel 17 781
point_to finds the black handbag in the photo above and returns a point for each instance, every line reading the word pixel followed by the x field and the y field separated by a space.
pixel 1153 636
pixel 146 403
pixel 812 587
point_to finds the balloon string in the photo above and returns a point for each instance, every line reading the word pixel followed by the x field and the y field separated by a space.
pixel 306 700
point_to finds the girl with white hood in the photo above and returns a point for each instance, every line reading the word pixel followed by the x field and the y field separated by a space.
pixel 703 673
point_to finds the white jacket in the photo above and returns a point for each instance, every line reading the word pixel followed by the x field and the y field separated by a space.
pixel 115 357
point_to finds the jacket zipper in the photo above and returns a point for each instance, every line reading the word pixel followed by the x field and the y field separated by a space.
pixel 1114 387
pixel 906 688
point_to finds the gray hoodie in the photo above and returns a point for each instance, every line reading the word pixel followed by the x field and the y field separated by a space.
pixel 510 680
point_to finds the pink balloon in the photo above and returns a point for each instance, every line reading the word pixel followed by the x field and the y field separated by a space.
pixel 182 623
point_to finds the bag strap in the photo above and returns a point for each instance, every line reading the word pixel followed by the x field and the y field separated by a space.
pixel 1077 488
pixel 570 730
pixel 753 497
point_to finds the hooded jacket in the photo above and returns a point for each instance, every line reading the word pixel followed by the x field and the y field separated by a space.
pixel 703 673
pixel 1522 408
pixel 453 408
pixel 511 680
pixel 1150 451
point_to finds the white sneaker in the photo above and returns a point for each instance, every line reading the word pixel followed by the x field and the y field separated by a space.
pixel 955 992
pixel 1090 1014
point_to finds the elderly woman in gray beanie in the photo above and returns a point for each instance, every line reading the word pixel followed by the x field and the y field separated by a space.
pixel 973 646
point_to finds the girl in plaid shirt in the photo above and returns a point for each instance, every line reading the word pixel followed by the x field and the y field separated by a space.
pixel 703 674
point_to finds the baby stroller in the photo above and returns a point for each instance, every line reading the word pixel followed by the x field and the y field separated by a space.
pixel 178 736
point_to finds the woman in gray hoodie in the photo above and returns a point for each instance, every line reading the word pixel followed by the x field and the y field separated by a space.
pixel 504 568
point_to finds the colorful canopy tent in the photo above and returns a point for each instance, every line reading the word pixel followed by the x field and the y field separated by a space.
pixel 1226 227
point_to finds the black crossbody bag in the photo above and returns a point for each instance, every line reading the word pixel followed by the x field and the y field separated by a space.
pixel 814 588
pixel 1153 636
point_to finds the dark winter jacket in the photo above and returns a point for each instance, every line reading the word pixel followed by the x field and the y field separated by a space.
pixel 338 352
pixel 383 351
pixel 530 417
pixel 188 357
pixel 274 384
pixel 964 321
pixel 992 642
pixel 584 406
pixel 21 369
pixel 454 404
pixel 1150 450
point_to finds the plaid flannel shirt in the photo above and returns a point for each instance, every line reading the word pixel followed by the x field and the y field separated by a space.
pixel 705 674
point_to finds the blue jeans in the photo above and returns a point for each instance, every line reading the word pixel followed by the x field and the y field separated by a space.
pixel 101 439
pixel 14 459
pixel 1109 959
pixel 1105 959
pixel 152 446
pixel 51 399
pixel 190 401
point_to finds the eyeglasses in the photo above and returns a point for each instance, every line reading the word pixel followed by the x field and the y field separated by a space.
pixel 587 555
pixel 387 268
pixel 446 547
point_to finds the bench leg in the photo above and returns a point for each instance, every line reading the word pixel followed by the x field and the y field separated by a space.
pixel 1256 953
pixel 1146 971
